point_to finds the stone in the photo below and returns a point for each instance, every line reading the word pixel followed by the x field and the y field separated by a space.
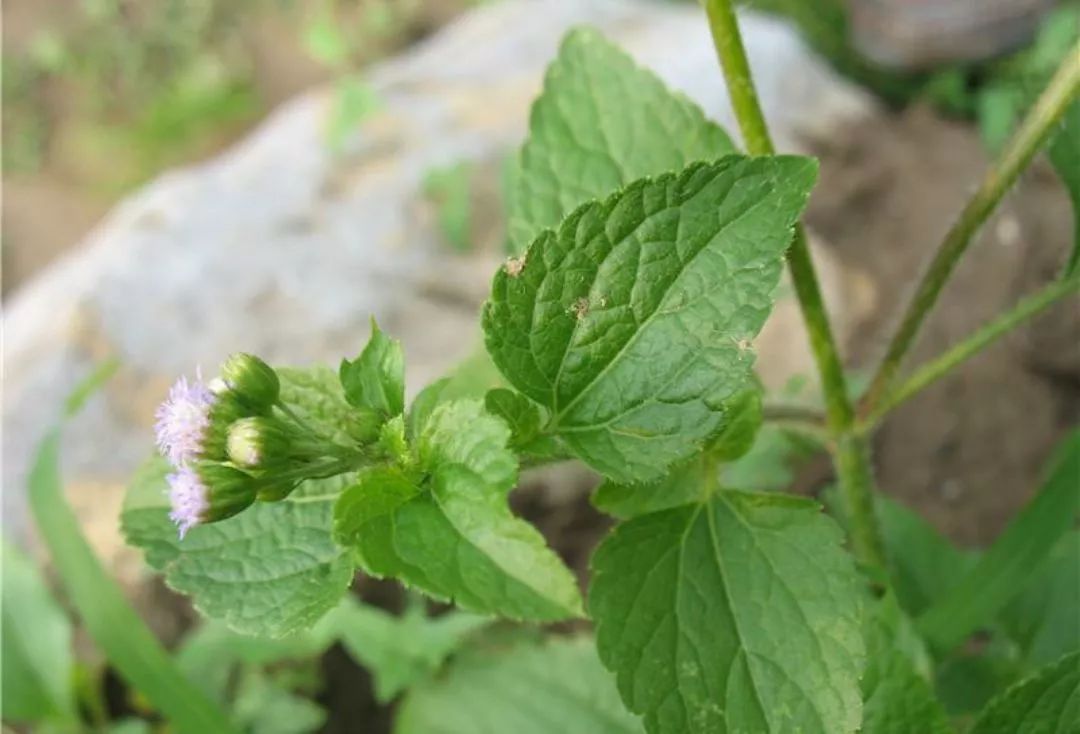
pixel 285 248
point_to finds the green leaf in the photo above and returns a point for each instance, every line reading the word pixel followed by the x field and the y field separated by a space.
pixel 402 651
pixel 524 688
pixel 600 123
pixel 741 614
pixel 741 425
pixel 517 411
pixel 1046 703
pixel 1014 556
pixel 1064 153
pixel 376 379
pixel 770 464
pixel 449 531
pixel 632 324
pixel 36 651
pixel 924 565
pixel 272 570
pixel 1042 617
pixel 897 695
pixel 447 188
pixel 266 707
pixel 685 483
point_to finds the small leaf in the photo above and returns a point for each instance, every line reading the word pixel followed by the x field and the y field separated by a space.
pixel 272 570
pixel 683 484
pixel 523 688
pixel 449 531
pixel 264 706
pixel 740 614
pixel 36 652
pixel 601 122
pixel 1014 556
pixel 741 424
pixel 897 695
pixel 1046 703
pixel 517 411
pixel 632 324
pixel 376 379
pixel 401 652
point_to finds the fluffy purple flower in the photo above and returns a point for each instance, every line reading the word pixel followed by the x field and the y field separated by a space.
pixel 183 420
pixel 189 498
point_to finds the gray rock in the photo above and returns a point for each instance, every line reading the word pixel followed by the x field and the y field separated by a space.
pixel 283 248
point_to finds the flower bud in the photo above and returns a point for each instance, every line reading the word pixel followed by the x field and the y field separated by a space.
pixel 258 442
pixel 226 410
pixel 208 492
pixel 252 379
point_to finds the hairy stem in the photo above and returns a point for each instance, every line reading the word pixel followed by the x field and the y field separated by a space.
pixel 969 347
pixel 852 458
pixel 1021 148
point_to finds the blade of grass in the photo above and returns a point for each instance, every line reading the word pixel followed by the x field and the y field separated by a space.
pixel 1013 557
pixel 116 628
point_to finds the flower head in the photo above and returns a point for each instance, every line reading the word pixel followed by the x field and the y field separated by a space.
pixel 208 492
pixel 183 421
pixel 189 498
pixel 253 380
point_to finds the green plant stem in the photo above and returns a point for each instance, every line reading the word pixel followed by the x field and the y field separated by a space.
pixel 1018 153
pixel 969 347
pixel 852 459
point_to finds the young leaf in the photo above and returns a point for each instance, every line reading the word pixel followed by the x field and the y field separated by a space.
pixel 632 324
pixel 1014 556
pixel 897 696
pixel 517 411
pixel 600 123
pixel 272 570
pixel 265 706
pixel 739 614
pixel 682 485
pixel 36 649
pixel 449 531
pixel 376 379
pixel 1046 703
pixel 741 425
pixel 400 652
pixel 524 688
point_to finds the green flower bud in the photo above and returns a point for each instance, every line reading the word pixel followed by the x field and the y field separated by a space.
pixel 228 490
pixel 225 410
pixel 258 442
pixel 252 379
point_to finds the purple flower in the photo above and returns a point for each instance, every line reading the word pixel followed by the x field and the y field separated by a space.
pixel 183 420
pixel 189 498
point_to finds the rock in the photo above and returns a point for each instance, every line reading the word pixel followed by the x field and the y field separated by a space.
pixel 283 248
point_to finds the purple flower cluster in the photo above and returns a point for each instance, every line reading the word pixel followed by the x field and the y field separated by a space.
pixel 182 423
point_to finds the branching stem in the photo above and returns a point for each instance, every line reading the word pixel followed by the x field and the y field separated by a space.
pixel 1021 148
pixel 851 457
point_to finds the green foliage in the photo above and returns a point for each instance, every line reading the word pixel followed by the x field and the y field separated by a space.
pixel 273 569
pixel 402 652
pixel 1041 619
pixel 897 695
pixel 518 412
pixel 1046 703
pixel 1024 545
pixel 601 123
pixel 683 484
pixel 376 379
pixel 523 686
pixel 717 617
pixel 444 525
pixel 37 674
pixel 631 324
